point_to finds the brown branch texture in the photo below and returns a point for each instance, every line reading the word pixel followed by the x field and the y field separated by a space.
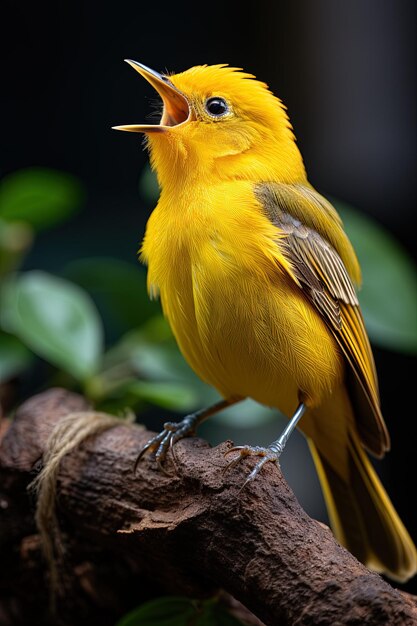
pixel 192 532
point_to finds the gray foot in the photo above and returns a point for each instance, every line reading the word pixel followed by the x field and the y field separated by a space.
pixel 270 454
pixel 160 444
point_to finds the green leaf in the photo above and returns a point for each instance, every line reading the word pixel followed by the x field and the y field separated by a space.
pixel 175 396
pixel 169 611
pixel 178 611
pixel 39 196
pixel 55 319
pixel 389 294
pixel 148 185
pixel 117 287
pixel 150 352
pixel 156 330
pixel 158 362
pixel 14 357
pixel 246 414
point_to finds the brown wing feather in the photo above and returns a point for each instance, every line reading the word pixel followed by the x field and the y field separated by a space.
pixel 364 386
pixel 328 286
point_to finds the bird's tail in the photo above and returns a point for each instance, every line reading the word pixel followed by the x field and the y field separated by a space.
pixel 360 511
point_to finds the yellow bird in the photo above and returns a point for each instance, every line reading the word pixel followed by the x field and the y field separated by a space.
pixel 257 279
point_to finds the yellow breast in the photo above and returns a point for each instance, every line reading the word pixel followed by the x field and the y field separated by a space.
pixel 239 319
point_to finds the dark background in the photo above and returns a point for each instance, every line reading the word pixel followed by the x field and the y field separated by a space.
pixel 344 69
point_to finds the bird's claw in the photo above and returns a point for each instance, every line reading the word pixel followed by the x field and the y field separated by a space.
pixel 164 441
pixel 268 455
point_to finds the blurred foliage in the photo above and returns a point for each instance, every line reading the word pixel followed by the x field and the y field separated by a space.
pixel 14 357
pixel 96 330
pixel 55 319
pixel 148 185
pixel 118 288
pixel 39 197
pixel 179 611
pixel 389 294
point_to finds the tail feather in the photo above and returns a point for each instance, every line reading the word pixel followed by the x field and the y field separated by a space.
pixel 361 513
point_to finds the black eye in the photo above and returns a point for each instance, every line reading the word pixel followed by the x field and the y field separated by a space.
pixel 217 107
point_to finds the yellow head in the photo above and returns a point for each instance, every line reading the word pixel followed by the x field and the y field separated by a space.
pixel 219 122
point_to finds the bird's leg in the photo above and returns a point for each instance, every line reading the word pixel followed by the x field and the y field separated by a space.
pixel 270 453
pixel 173 431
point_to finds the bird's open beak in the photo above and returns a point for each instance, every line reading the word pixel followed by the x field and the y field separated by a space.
pixel 176 107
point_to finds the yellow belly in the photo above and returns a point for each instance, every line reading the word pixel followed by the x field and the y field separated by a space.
pixel 251 339
pixel 241 322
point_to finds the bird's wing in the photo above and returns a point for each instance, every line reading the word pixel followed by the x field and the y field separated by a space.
pixel 324 264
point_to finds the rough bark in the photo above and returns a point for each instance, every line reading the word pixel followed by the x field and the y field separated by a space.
pixel 192 532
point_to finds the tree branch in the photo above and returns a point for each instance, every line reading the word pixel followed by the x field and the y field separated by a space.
pixel 192 532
